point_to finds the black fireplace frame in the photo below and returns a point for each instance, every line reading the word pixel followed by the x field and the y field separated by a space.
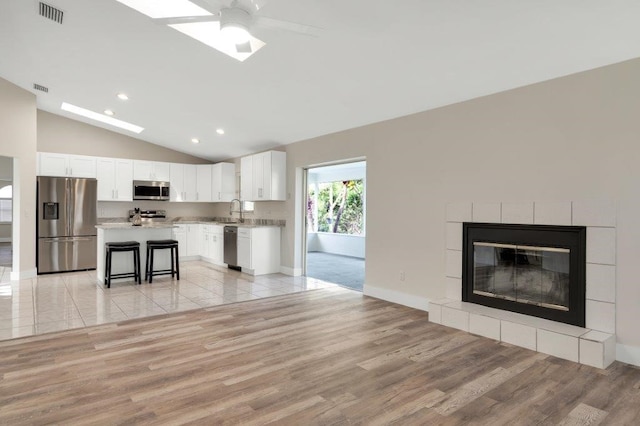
pixel 573 238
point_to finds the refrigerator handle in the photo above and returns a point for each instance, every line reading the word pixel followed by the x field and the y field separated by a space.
pixel 67 190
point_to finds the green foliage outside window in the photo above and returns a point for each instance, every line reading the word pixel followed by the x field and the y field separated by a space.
pixel 339 207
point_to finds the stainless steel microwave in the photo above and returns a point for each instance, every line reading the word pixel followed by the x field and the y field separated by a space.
pixel 150 190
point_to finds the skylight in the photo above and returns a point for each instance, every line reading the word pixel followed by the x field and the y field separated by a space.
pixel 209 34
pixel 165 9
pixel 101 117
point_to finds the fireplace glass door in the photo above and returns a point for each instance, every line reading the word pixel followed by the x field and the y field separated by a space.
pixel 536 270
pixel 524 274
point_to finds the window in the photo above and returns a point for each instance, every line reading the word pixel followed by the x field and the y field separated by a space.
pixel 336 207
pixel 6 203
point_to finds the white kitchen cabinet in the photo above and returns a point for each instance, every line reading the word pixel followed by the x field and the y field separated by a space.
pixel 66 165
pixel 223 182
pixel 180 235
pixel 189 241
pixel 203 182
pixel 115 179
pixel 259 250
pixel 244 249
pixel 212 243
pixel 217 244
pixel 151 170
pixel 263 176
pixel 183 182
pixel 246 178
pixel 193 240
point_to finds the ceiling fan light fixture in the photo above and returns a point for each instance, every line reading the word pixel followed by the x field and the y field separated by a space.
pixel 234 25
pixel 237 34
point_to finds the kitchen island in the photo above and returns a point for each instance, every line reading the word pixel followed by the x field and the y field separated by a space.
pixel 123 262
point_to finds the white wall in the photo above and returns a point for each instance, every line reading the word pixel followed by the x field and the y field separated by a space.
pixel 5 232
pixel 343 244
pixel 573 138
pixel 6 176
pixel 18 140
pixel 63 135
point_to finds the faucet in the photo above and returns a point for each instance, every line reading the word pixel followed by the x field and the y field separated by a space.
pixel 231 209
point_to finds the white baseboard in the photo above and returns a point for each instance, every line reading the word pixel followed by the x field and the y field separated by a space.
pixel 294 272
pixel 416 302
pixel 5 240
pixel 23 275
pixel 628 354
pixel 188 258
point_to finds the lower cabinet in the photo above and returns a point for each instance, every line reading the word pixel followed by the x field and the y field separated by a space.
pixel 188 239
pixel 212 244
pixel 244 248
pixel 259 250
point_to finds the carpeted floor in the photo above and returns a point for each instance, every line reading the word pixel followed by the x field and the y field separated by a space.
pixel 6 256
pixel 343 270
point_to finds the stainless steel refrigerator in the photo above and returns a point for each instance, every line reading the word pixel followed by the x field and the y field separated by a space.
pixel 66 227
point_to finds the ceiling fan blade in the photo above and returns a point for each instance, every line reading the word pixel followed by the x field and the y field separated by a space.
pixel 249 5
pixel 244 47
pixel 294 27
pixel 187 19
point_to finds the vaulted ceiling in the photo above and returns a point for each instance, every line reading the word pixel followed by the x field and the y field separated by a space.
pixel 369 61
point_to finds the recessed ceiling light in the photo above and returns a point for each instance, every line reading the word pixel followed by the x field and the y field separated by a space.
pixel 195 140
pixel 220 131
pixel 123 96
pixel 165 9
pixel 109 112
pixel 101 117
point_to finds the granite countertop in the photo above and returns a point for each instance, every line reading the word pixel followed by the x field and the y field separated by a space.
pixel 127 225
pixel 122 223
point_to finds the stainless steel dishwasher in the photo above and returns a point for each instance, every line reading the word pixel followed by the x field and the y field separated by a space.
pixel 231 246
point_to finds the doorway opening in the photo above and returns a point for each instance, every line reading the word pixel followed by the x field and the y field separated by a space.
pixel 335 218
pixel 6 217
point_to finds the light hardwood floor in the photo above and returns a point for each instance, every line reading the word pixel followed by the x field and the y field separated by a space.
pixel 327 356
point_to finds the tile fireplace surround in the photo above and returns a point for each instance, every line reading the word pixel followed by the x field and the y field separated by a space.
pixel 593 345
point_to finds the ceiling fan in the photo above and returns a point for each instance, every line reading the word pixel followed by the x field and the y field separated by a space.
pixel 223 25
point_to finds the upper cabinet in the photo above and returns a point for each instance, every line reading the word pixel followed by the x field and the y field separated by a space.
pixel 115 177
pixel 66 165
pixel 223 182
pixel 203 182
pixel 151 170
pixel 188 182
pixel 263 176
pixel 183 182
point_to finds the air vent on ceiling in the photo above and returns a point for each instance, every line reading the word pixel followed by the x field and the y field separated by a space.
pixel 40 88
pixel 51 12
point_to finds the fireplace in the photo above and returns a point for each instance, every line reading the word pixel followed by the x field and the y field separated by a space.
pixel 536 270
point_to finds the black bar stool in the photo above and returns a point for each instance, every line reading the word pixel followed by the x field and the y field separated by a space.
pixel 122 246
pixel 153 245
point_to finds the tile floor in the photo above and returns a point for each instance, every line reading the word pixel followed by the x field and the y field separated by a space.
pixel 63 301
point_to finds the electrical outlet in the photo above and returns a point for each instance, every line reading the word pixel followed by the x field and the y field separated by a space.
pixel 401 275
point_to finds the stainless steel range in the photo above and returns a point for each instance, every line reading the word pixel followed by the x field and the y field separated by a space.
pixel 150 216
